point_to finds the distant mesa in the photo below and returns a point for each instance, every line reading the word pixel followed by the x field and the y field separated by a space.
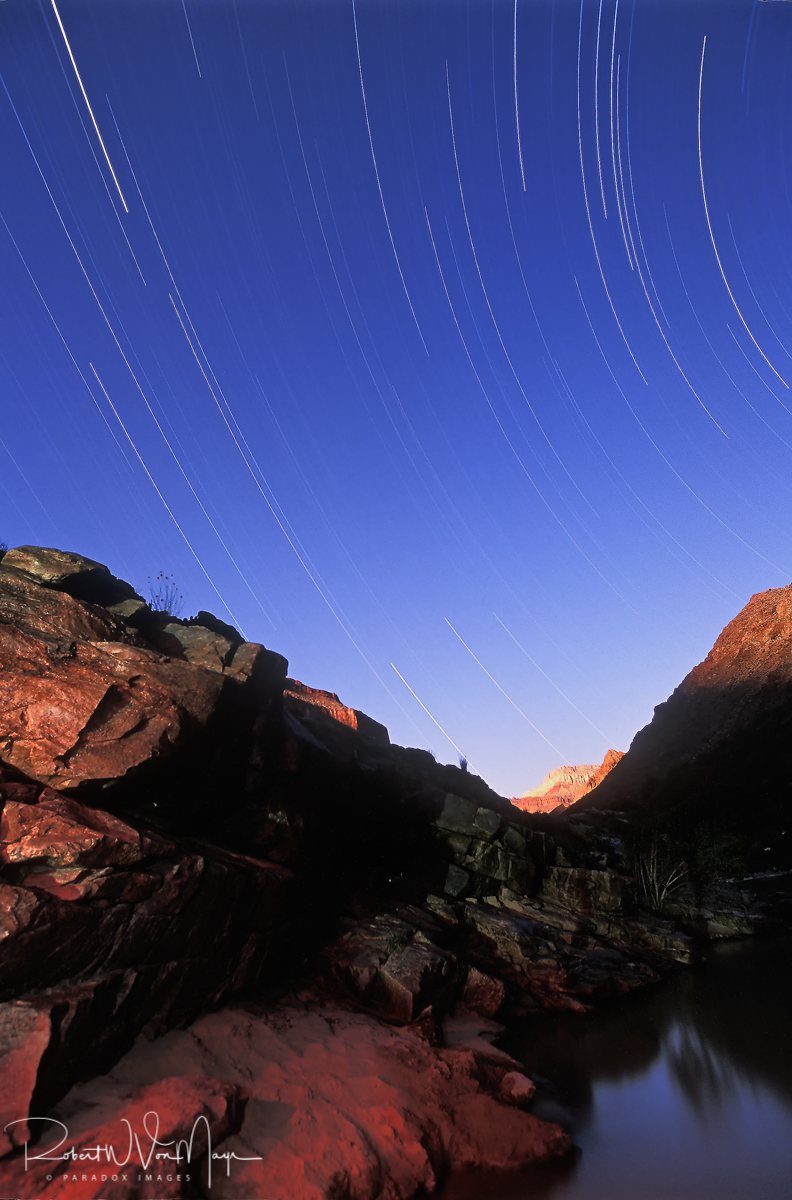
pixel 565 785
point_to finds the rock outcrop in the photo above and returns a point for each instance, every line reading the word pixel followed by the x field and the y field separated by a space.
pixel 86 700
pixel 312 704
pixel 560 787
pixel 565 785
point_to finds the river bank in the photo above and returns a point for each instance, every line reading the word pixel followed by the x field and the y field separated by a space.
pixel 684 1092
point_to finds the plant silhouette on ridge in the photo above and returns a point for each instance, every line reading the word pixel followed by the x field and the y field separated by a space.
pixel 165 595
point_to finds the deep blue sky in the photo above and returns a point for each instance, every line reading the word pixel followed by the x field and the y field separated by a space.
pixel 437 378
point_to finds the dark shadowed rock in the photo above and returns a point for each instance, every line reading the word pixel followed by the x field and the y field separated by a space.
pixel 389 965
pixel 587 891
pixel 720 748
pixel 66 572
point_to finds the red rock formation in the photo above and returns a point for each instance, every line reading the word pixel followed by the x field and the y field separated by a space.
pixel 559 788
pixel 83 699
pixel 124 1138
pixel 315 704
pixel 612 757
pixel 724 736
pixel 337 1103
pixel 564 785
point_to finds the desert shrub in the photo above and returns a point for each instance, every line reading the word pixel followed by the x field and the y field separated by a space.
pixel 658 866
pixel 165 595
pixel 679 850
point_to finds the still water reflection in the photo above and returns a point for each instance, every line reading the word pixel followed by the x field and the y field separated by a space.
pixel 685 1094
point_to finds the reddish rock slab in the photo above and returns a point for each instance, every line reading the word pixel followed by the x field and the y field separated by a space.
pixel 338 1104
pixel 53 617
pixel 92 711
pixel 58 833
pixel 129 1143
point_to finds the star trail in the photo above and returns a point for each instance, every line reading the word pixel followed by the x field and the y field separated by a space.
pixel 368 321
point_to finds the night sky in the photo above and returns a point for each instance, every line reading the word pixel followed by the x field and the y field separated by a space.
pixel 444 347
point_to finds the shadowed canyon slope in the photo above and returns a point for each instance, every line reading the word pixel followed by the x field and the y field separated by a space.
pixel 721 745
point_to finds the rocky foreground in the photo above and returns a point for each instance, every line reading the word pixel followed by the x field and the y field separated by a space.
pixel 227 899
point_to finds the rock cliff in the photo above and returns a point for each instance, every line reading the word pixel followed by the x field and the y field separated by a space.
pixel 720 747
pixel 564 785
pixel 220 885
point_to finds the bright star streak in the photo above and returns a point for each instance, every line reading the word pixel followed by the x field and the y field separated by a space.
pixel 500 689
pixel 623 202
pixel 379 185
pixel 550 681
pixel 437 723
pixel 712 235
pixel 192 43
pixel 596 110
pixel 613 138
pixel 88 106
pixel 516 105
pixel 588 211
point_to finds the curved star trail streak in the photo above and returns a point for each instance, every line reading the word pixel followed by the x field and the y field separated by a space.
pixel 209 363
